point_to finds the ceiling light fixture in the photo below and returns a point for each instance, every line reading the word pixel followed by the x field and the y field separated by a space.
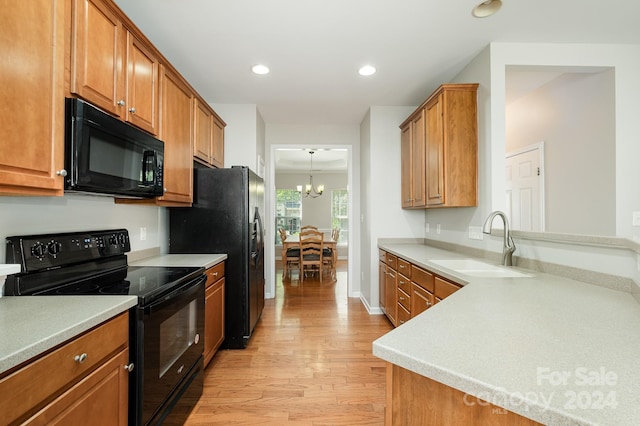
pixel 309 188
pixel 487 8
pixel 260 69
pixel 367 70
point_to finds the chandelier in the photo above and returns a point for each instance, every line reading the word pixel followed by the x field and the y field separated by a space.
pixel 309 189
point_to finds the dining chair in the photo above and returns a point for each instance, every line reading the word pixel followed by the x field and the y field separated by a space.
pixel 311 245
pixel 290 256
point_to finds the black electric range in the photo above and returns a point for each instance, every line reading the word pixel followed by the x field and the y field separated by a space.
pixel 167 325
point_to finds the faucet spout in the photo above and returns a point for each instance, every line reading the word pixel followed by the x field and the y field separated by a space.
pixel 508 245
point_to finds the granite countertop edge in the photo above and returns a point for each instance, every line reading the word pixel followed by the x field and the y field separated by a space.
pixel 466 305
pixel 33 325
pixel 182 260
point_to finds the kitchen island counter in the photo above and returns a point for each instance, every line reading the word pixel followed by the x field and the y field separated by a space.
pixel 554 350
pixel 32 325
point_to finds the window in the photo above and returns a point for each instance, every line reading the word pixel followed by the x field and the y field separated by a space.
pixel 340 213
pixel 288 211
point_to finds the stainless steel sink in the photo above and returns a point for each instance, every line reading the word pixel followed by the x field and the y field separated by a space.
pixel 476 268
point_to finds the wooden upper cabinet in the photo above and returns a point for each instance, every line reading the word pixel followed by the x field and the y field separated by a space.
pixel 203 129
pixel 444 137
pixel 418 160
pixel 217 145
pixel 176 130
pixel 405 169
pixel 111 68
pixel 435 153
pixel 142 86
pixel 208 148
pixel 32 88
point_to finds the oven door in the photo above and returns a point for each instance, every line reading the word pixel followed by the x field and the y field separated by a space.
pixel 171 334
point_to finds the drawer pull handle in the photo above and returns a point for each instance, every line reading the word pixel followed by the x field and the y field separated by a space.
pixel 214 274
pixel 401 298
pixel 81 358
pixel 129 367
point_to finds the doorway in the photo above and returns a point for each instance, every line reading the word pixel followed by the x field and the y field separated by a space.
pixel 525 188
pixel 303 170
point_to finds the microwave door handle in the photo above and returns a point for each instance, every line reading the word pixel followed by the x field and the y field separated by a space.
pixel 148 167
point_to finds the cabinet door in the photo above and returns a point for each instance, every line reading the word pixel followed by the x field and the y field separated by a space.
pixel 382 279
pixel 176 131
pixel 142 86
pixel 217 147
pixel 102 397
pixel 214 319
pixel 418 173
pixel 32 109
pixel 203 130
pixel 97 61
pixel 390 291
pixel 421 300
pixel 406 164
pixel 435 153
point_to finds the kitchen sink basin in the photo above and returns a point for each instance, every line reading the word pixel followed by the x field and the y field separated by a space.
pixel 476 268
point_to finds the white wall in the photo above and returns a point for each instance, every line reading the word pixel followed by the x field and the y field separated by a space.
pixel 243 135
pixel 489 70
pixel 575 117
pixel 382 215
pixel 35 215
pixel 316 136
pixel 315 211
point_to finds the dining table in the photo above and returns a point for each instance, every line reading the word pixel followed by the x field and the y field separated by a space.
pixel 293 241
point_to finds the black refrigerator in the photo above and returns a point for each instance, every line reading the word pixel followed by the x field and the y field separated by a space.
pixel 226 218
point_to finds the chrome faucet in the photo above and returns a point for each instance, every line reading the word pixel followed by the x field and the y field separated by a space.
pixel 509 246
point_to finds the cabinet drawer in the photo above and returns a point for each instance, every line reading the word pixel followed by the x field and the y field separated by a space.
pixel 382 255
pixel 404 299
pixel 403 315
pixel 421 300
pixel 423 278
pixel 404 268
pixel 45 378
pixel 444 288
pixel 214 273
pixel 404 283
pixel 392 261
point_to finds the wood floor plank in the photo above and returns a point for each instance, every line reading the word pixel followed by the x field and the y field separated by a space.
pixel 308 363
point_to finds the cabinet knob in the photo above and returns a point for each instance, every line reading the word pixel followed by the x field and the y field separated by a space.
pixel 132 110
pixel 121 102
pixel 62 173
pixel 129 367
pixel 81 358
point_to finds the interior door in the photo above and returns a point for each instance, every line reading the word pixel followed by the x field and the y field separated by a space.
pixel 525 186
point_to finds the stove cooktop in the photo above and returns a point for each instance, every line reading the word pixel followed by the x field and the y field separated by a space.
pixel 146 282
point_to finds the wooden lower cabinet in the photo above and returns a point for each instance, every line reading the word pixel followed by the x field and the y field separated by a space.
pixel 213 311
pixel 84 381
pixel 407 290
pixel 413 399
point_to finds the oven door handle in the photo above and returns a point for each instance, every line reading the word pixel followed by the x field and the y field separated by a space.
pixel 186 292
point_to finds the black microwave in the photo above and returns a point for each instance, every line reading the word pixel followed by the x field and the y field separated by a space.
pixel 104 155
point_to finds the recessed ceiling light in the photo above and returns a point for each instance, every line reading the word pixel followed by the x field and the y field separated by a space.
pixel 487 8
pixel 367 70
pixel 260 69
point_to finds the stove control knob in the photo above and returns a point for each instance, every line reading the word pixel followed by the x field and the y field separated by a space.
pixel 54 247
pixel 113 240
pixel 122 238
pixel 38 250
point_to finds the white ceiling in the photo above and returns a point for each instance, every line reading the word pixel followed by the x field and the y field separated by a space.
pixel 314 47
pixel 299 160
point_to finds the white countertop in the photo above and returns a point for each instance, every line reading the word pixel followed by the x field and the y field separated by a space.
pixel 182 260
pixel 8 269
pixel 31 325
pixel 554 350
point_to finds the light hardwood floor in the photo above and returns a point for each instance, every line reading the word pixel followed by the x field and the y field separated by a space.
pixel 309 362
